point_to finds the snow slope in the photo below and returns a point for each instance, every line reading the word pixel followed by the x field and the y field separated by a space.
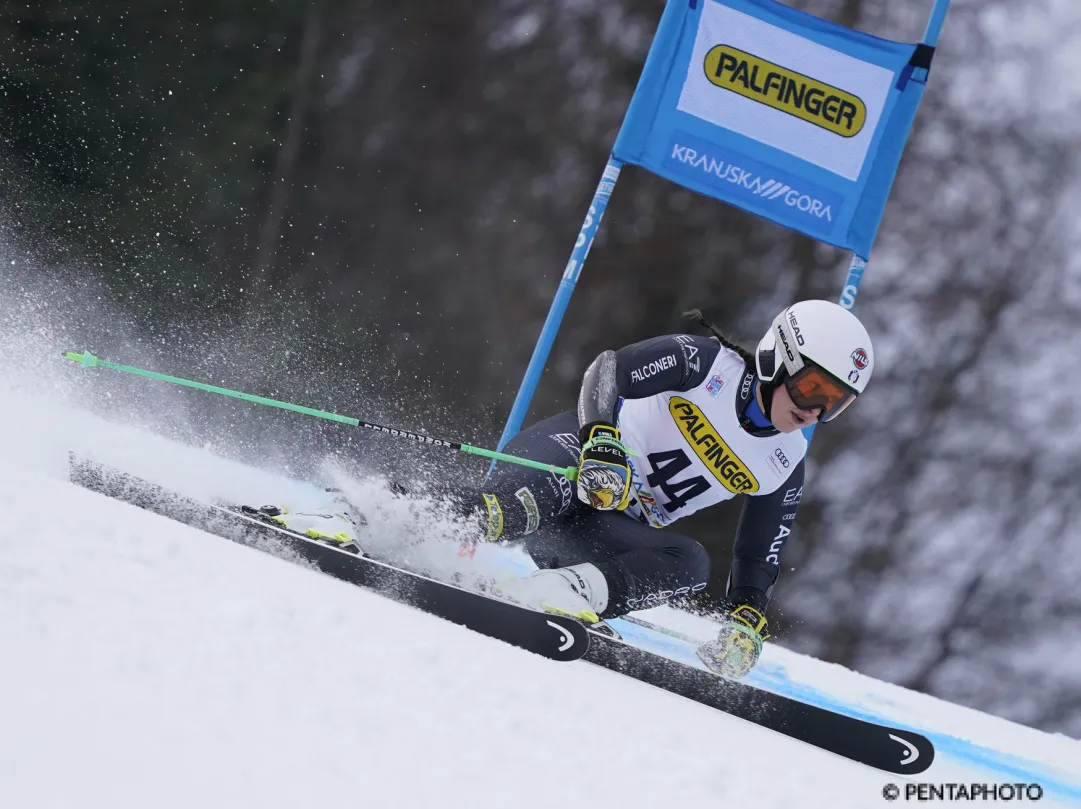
pixel 148 664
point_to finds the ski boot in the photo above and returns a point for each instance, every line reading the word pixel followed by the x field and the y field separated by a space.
pixel 579 591
pixel 331 524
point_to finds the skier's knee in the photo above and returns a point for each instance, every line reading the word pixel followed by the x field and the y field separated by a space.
pixel 699 562
pixel 693 556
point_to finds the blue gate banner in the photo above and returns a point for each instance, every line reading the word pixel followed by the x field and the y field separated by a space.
pixel 788 116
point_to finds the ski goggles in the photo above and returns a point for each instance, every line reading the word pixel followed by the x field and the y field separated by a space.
pixel 813 387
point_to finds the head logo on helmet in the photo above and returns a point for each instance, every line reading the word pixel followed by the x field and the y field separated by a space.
pixel 784 342
pixel 859 359
pixel 795 327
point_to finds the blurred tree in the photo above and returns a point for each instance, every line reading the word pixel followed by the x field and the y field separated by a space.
pixel 148 127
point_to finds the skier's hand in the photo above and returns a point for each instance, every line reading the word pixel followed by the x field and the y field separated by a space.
pixel 604 476
pixel 737 647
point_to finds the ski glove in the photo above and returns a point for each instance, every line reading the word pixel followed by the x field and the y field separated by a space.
pixel 738 645
pixel 604 476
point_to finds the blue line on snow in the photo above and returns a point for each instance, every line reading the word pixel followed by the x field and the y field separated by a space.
pixel 776 680
pixel 1011 767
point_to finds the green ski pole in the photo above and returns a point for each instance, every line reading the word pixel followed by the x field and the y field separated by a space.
pixel 88 360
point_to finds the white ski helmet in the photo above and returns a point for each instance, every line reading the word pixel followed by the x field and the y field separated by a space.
pixel 820 352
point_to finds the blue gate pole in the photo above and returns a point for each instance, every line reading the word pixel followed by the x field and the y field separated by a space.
pixel 934 24
pixel 559 305
pixel 852 283
pixel 856 269
pixel 859 264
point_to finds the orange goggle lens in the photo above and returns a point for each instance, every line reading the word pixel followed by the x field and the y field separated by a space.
pixel 811 387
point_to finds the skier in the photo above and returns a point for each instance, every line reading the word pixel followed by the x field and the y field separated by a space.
pixel 664 428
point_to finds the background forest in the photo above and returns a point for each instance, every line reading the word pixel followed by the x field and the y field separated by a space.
pixel 366 207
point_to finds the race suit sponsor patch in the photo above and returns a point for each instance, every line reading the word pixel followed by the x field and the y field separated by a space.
pixel 707 443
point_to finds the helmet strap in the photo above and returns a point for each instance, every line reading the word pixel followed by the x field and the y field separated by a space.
pixel 769 388
pixel 767 399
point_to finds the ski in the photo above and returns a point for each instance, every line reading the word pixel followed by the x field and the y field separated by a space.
pixel 885 748
pixel 553 636
pixel 893 750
